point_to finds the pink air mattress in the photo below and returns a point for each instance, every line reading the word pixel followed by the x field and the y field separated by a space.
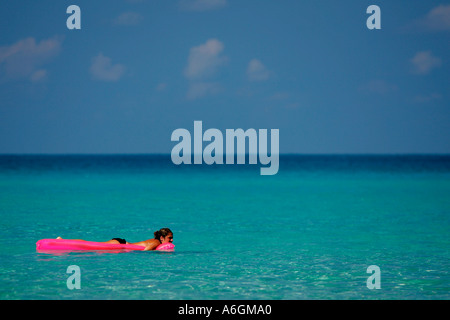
pixel 80 245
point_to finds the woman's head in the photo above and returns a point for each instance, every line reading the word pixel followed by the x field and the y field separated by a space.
pixel 164 235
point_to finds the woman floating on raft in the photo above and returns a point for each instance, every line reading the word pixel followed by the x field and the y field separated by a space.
pixel 162 240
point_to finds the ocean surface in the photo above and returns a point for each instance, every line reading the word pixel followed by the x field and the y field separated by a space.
pixel 309 232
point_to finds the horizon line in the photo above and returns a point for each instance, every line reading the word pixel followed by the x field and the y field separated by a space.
pixel 280 154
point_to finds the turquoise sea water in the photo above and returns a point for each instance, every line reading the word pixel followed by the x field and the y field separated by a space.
pixel 309 232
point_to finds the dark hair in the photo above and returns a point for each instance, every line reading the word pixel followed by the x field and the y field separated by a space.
pixel 162 233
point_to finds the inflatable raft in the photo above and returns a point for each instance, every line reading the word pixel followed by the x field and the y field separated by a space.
pixel 44 245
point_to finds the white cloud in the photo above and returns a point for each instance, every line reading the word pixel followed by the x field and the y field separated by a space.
pixel 103 69
pixel 38 75
pixel 128 19
pixel 201 5
pixel 423 62
pixel 427 98
pixel 437 19
pixel 256 71
pixel 25 58
pixel 201 89
pixel 161 87
pixel 379 87
pixel 282 95
pixel 204 60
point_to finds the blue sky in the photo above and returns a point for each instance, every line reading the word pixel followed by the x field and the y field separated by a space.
pixel 139 69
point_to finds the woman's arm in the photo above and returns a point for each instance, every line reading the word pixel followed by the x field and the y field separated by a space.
pixel 150 244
